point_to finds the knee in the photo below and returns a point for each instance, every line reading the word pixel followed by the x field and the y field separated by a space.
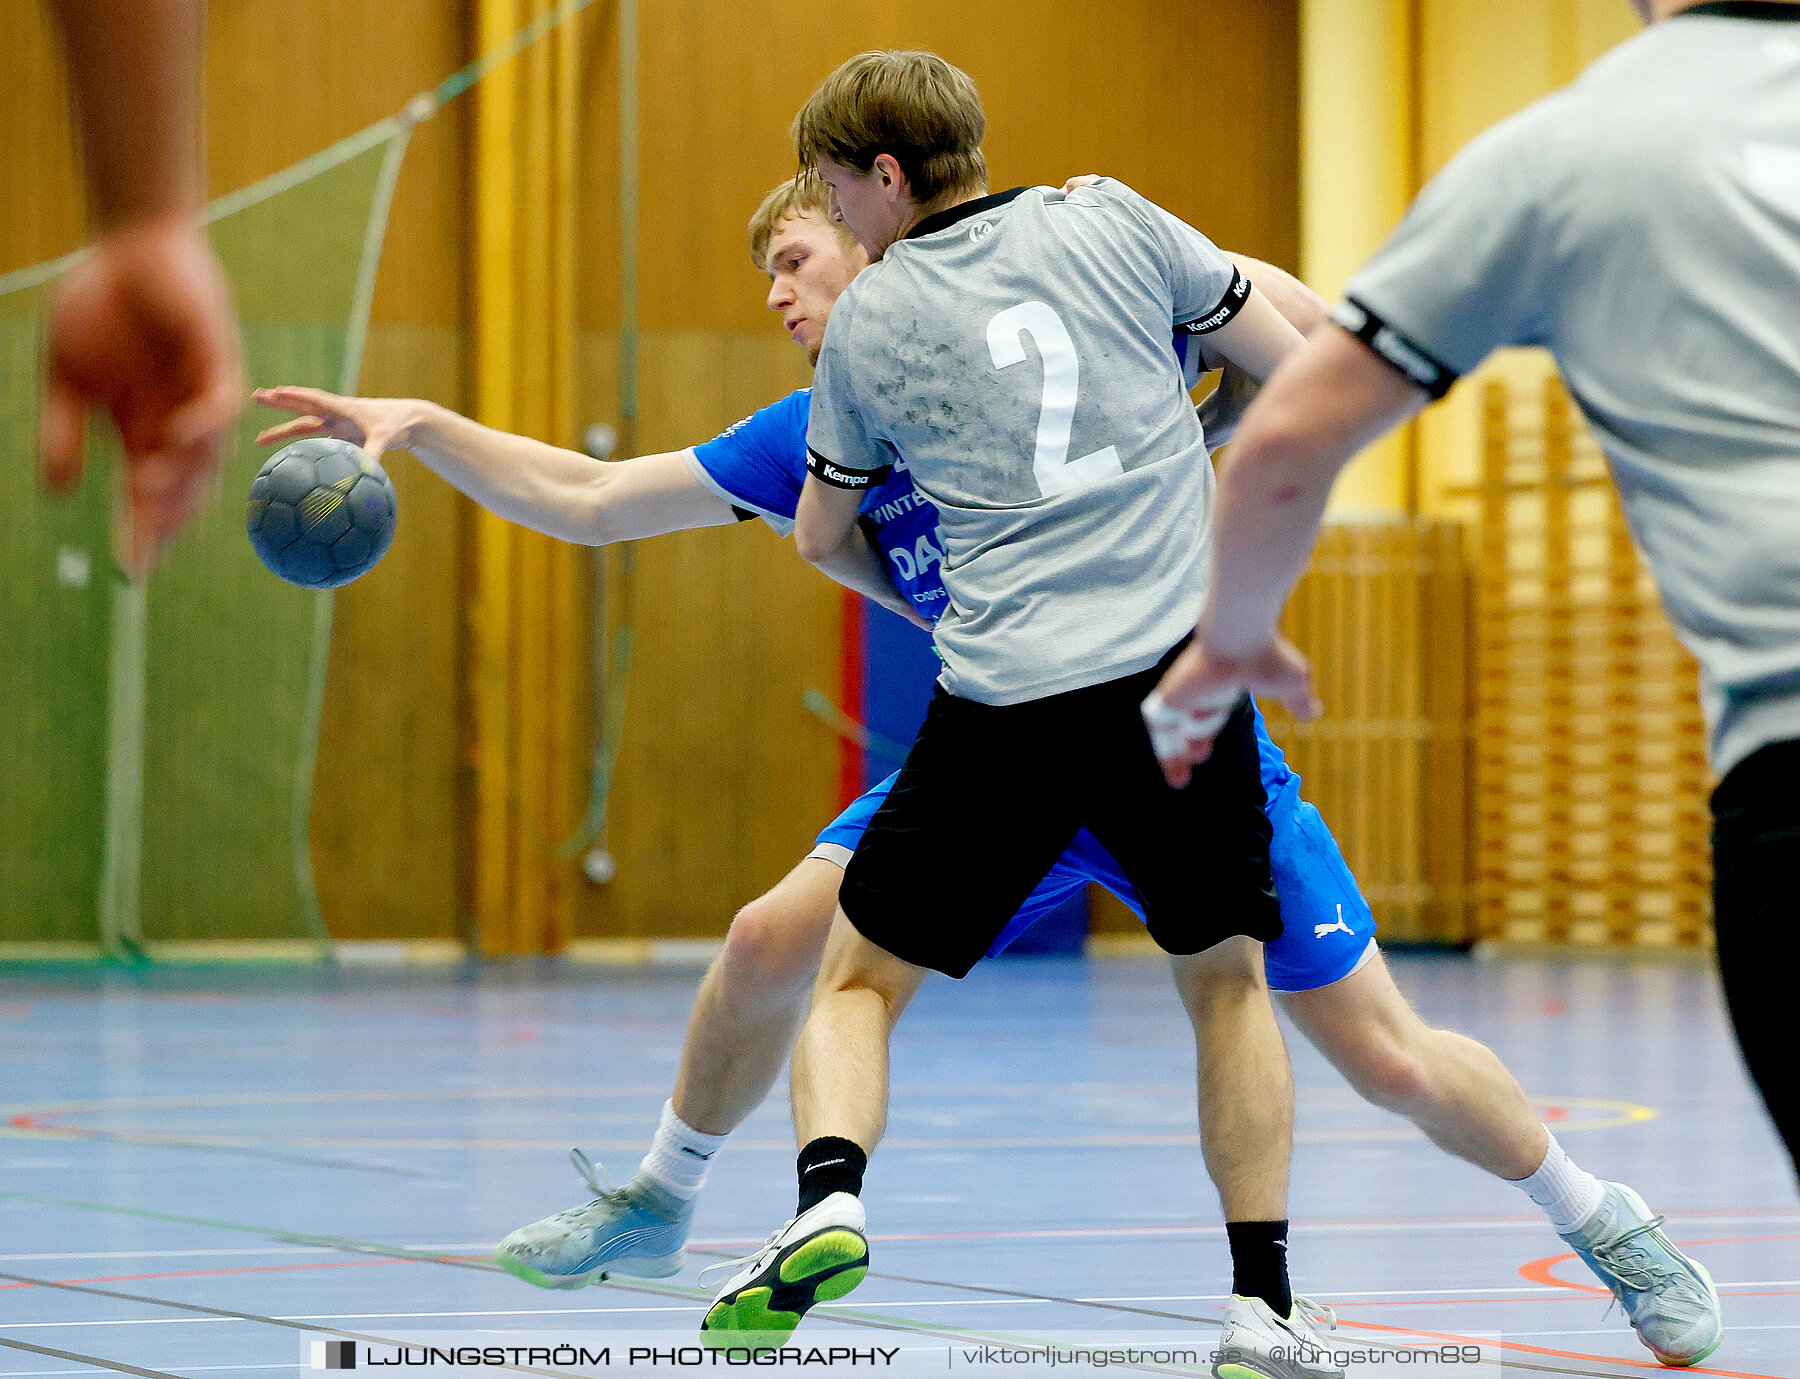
pixel 1389 1074
pixel 1228 972
pixel 771 946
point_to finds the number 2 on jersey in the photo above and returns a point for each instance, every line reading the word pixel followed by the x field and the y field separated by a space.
pixel 1056 472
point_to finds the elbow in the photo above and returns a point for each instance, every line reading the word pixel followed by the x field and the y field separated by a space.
pixel 601 525
pixel 811 545
pixel 1313 316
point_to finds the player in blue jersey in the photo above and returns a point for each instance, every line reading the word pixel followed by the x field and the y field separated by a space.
pixel 1331 978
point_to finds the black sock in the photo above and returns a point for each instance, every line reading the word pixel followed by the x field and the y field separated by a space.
pixel 829 1165
pixel 1259 1263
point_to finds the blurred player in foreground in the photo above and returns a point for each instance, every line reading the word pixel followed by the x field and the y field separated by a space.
pixel 1644 226
pixel 142 325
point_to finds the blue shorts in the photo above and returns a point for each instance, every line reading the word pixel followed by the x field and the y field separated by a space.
pixel 1328 931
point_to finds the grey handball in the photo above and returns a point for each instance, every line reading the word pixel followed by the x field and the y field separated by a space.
pixel 321 512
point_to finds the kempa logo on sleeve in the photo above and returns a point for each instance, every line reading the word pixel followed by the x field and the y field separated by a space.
pixel 1235 297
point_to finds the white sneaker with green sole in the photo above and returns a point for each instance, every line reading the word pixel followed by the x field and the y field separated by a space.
pixel 819 1256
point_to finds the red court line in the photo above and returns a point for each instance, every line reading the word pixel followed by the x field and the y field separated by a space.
pixel 1538 1270
pixel 215 1273
pixel 1524 1349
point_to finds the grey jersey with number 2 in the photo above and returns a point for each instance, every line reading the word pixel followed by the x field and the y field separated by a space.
pixel 1013 353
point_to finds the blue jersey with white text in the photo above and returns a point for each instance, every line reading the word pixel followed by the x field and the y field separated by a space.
pixel 759 466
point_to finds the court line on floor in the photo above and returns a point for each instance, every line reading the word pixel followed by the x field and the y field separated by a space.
pixel 217 1273
pixel 695 1295
pixel 242 1147
pixel 646 1286
pixel 1299 1226
pixel 227 1314
pixel 1539 1270
pixel 1564 1354
pixel 94 1360
pixel 853 1318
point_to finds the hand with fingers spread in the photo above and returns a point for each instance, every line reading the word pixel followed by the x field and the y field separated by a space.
pixel 377 424
pixel 1186 710
pixel 143 326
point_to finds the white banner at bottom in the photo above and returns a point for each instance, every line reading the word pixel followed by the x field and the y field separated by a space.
pixel 826 1346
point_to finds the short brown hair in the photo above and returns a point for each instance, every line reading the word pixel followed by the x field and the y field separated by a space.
pixel 803 194
pixel 913 106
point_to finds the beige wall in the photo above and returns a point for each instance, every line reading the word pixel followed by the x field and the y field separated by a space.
pixel 1391 90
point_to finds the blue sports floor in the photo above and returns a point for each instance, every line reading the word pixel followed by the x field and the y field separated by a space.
pixel 201 1171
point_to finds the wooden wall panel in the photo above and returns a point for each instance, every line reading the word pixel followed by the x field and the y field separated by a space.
pixel 1151 101
pixel 35 155
pixel 385 827
pixel 1592 775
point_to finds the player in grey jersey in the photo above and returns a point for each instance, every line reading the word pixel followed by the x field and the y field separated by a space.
pixel 1012 352
pixel 1643 225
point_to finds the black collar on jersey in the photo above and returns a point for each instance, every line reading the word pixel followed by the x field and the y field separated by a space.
pixel 1744 9
pixel 943 220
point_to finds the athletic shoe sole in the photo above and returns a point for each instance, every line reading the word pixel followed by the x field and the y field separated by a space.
pixel 820 1268
pixel 1240 1364
pixel 661 1266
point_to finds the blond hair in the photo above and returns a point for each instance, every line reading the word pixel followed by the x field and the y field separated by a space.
pixel 803 194
pixel 913 106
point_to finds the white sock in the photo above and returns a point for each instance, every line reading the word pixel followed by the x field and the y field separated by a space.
pixel 1567 1192
pixel 679 1158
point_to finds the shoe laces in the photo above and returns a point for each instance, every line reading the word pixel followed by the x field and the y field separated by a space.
pixel 750 1258
pixel 598 1183
pixel 1316 1313
pixel 592 1174
pixel 1632 1267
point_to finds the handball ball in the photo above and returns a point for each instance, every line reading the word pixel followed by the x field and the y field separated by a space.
pixel 321 513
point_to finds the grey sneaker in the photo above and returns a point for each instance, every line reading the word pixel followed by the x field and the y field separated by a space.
pixel 639 1229
pixel 1669 1298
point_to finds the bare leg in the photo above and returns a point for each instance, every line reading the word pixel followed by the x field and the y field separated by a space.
pixel 753 999
pixel 840 1073
pixel 1246 1085
pixel 1454 1089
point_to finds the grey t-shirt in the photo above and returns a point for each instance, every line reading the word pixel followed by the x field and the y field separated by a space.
pixel 1014 354
pixel 1643 224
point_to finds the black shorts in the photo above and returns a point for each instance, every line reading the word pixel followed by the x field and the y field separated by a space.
pixel 991 795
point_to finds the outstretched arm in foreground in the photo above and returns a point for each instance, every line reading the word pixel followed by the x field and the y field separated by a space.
pixel 561 493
